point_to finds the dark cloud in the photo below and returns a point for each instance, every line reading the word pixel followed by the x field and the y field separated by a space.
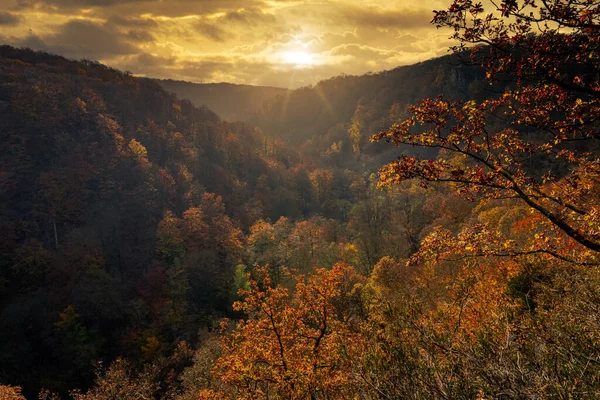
pixel 211 31
pixel 9 19
pixel 146 60
pixel 20 4
pixel 177 8
pixel 133 8
pixel 91 40
pixel 148 65
pixel 132 22
pixel 375 17
pixel 74 3
pixel 79 39
pixel 35 42
pixel 31 41
pixel 249 16
pixel 140 36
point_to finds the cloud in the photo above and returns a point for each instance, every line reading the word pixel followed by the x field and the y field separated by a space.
pixel 249 16
pixel 31 41
pixel 355 14
pixel 211 31
pixel 139 36
pixel 9 19
pixel 74 3
pixel 132 22
pixel 149 59
pixel 88 39
pixel 328 40
pixel 241 41
pixel 361 52
pixel 79 39
pixel 129 8
pixel 147 64
pixel 382 18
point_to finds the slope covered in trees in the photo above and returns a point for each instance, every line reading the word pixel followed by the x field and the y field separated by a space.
pixel 122 211
pixel 129 219
pixel 469 269
pixel 499 301
pixel 334 119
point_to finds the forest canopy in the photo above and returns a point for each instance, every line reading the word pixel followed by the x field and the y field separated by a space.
pixel 151 250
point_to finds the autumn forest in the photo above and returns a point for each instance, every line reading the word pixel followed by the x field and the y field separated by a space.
pixel 430 231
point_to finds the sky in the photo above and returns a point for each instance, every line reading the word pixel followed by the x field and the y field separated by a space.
pixel 283 43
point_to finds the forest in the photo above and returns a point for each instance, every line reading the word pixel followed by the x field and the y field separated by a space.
pixel 428 232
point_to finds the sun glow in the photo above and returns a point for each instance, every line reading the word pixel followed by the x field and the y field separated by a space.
pixel 297 58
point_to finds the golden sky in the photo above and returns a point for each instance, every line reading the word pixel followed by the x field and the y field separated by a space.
pixel 283 43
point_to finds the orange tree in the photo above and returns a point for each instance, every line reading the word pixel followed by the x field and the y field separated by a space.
pixel 547 116
pixel 291 346
pixel 535 143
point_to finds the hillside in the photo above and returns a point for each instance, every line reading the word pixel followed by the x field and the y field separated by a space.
pixel 125 210
pixel 151 250
pixel 128 213
pixel 333 120
pixel 230 101
pixel 97 168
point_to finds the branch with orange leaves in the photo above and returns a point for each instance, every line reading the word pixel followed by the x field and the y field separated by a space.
pixel 493 164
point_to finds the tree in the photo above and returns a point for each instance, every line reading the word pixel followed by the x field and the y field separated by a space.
pixel 8 392
pixel 91 160
pixel 497 325
pixel 356 129
pixel 292 347
pixel 264 248
pixel 548 111
pixel 200 251
pixel 118 381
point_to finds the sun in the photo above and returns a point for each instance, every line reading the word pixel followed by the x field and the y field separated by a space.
pixel 297 58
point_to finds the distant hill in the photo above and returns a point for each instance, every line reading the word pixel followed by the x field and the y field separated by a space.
pixel 332 121
pixel 232 102
pixel 318 119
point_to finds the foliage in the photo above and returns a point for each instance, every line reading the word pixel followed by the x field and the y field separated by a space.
pixel 8 392
pixel 112 205
pixel 485 150
pixel 130 218
pixel 291 347
pixel 117 382
pixel 497 155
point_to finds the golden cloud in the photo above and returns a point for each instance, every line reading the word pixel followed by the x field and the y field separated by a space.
pixel 277 42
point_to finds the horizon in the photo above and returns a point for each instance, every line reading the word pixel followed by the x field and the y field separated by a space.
pixel 342 74
pixel 287 44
